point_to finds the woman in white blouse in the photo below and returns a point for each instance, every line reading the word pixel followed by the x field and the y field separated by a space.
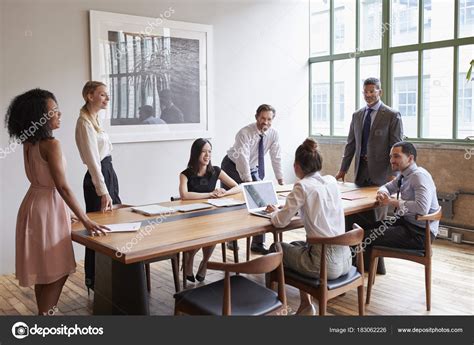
pixel 318 201
pixel 100 186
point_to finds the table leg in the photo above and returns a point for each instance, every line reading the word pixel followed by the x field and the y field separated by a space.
pixel 120 289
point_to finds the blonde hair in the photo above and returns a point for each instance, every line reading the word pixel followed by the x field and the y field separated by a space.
pixel 89 88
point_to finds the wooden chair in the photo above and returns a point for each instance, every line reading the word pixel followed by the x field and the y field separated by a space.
pixel 420 256
pixel 223 248
pixel 323 289
pixel 236 295
pixel 174 261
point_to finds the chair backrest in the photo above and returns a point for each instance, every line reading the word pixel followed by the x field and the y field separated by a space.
pixel 437 215
pixel 350 238
pixel 263 264
pixel 353 237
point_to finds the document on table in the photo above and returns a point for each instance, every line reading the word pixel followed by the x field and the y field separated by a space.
pixel 124 227
pixel 352 196
pixel 225 202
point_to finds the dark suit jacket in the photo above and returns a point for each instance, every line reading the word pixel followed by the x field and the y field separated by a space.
pixel 385 131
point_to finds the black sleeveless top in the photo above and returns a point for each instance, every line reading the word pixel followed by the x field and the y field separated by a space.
pixel 202 184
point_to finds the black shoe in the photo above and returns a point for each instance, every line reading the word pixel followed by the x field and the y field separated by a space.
pixel 259 248
pixel 230 246
pixel 191 278
pixel 200 278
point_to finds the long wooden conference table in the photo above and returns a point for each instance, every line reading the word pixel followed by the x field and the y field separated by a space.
pixel 120 285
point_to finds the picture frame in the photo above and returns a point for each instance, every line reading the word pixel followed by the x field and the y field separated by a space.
pixel 158 73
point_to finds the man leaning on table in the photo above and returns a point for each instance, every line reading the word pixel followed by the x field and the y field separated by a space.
pixel 245 160
pixel 373 130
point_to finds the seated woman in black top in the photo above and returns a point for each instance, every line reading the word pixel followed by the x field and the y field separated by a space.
pixel 198 181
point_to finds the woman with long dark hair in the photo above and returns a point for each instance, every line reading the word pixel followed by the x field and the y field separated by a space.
pixel 44 253
pixel 199 181
pixel 101 189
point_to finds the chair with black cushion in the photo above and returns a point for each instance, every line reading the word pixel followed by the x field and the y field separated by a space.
pixel 420 256
pixel 236 294
pixel 323 289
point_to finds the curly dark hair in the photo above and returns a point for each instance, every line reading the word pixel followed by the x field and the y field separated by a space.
pixel 26 118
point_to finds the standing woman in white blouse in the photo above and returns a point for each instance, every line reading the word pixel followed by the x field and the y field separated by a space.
pixel 100 186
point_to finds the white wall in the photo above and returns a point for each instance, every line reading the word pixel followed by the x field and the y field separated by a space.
pixel 260 56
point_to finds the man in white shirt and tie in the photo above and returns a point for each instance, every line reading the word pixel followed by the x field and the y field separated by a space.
pixel 245 160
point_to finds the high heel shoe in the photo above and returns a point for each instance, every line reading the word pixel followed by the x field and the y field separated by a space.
pixel 200 277
pixel 191 278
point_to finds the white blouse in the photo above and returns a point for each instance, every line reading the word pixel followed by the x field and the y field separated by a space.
pixel 93 147
pixel 319 202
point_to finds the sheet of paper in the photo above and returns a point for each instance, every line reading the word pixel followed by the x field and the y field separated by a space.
pixel 225 202
pixel 284 188
pixel 352 196
pixel 124 227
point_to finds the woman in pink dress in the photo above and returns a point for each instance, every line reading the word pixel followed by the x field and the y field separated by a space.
pixel 44 253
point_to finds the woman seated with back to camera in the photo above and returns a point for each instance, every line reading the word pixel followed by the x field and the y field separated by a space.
pixel 318 201
pixel 199 181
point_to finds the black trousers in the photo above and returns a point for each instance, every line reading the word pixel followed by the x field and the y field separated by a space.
pixel 93 202
pixel 392 232
pixel 230 169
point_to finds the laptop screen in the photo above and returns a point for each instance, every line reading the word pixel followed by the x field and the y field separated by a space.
pixel 259 194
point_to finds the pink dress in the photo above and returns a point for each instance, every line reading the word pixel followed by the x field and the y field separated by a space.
pixel 44 251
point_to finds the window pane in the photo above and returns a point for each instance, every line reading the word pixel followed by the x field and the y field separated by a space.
pixel 465 94
pixel 344 95
pixel 404 22
pixel 344 26
pixel 438 93
pixel 320 98
pixel 319 23
pixel 466 18
pixel 371 28
pixel 438 20
pixel 405 89
pixel 368 67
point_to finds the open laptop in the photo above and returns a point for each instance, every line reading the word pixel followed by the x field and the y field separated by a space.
pixel 258 195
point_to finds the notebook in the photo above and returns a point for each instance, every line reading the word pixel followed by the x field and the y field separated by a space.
pixel 258 195
pixel 153 210
pixel 191 207
pixel 225 202
pixel 124 227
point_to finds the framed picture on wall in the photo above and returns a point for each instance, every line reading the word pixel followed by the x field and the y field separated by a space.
pixel 158 75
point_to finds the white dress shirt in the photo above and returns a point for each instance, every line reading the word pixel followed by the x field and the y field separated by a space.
pixel 319 202
pixel 244 153
pixel 93 147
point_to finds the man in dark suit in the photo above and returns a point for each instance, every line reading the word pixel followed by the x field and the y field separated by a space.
pixel 373 131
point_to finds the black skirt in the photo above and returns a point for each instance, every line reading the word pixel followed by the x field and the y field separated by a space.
pixel 93 202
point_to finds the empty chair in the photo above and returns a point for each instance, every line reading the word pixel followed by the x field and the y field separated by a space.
pixel 236 295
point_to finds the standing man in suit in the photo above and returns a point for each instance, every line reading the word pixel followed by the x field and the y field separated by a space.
pixel 374 129
pixel 245 160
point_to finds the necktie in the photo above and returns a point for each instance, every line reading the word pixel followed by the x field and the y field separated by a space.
pixel 399 185
pixel 366 132
pixel 261 159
